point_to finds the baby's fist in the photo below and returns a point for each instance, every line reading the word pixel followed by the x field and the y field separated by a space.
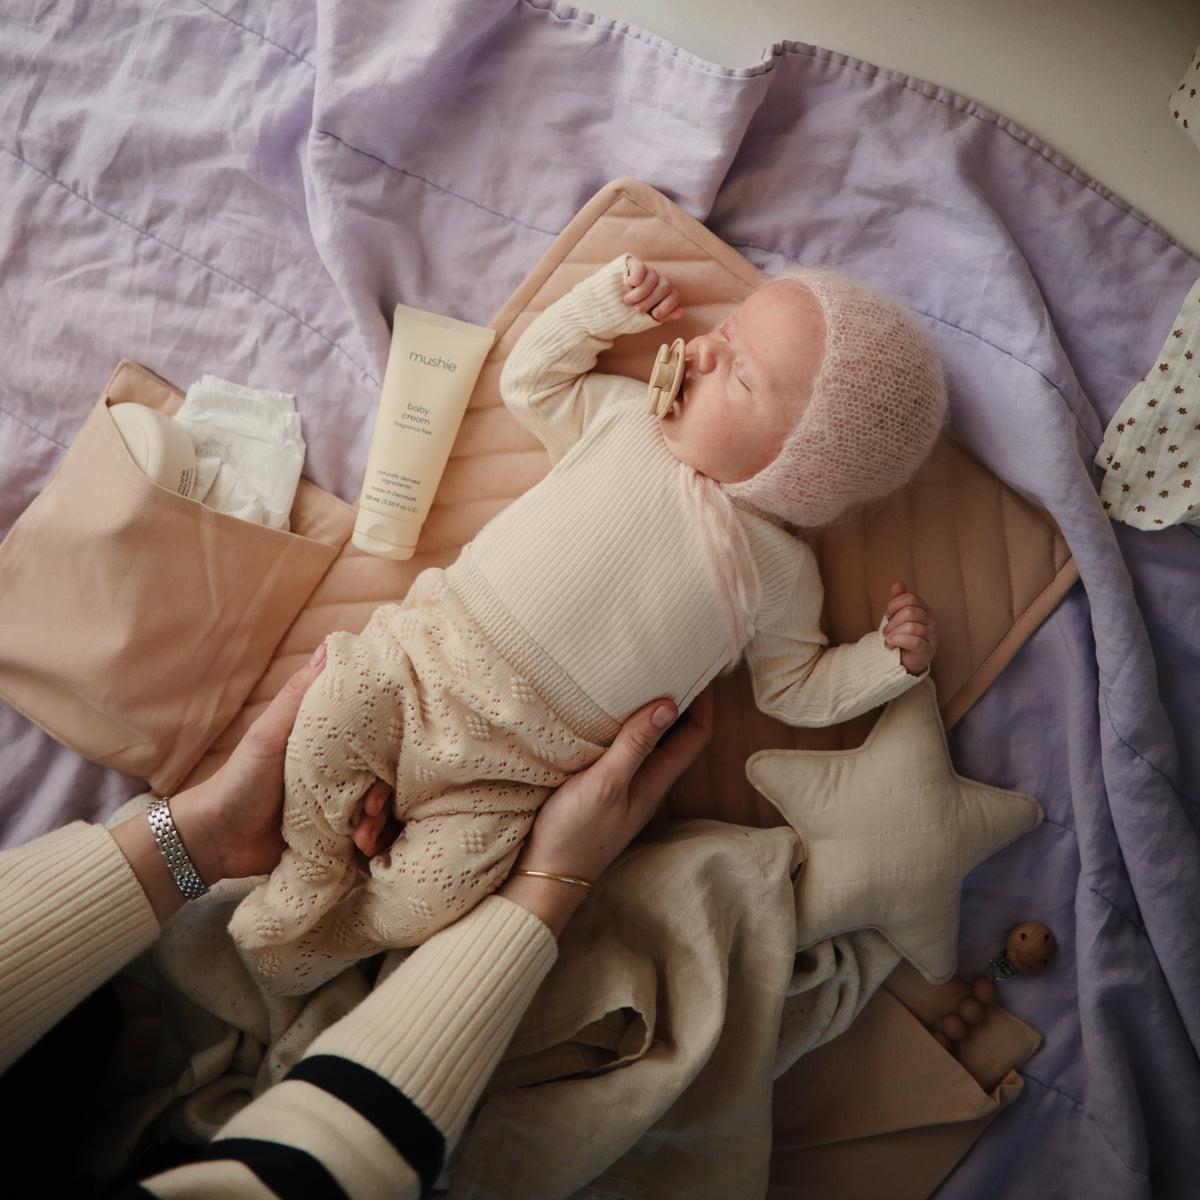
pixel 911 627
pixel 650 291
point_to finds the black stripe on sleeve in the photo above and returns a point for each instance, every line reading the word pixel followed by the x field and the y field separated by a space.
pixel 415 1137
pixel 284 1169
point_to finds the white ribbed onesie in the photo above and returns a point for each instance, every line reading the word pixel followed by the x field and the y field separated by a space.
pixel 499 677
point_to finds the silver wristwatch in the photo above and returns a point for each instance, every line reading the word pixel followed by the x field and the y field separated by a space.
pixel 179 864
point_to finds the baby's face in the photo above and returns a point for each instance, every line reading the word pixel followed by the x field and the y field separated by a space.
pixel 747 382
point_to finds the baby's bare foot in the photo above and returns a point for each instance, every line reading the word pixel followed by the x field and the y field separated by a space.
pixel 371 818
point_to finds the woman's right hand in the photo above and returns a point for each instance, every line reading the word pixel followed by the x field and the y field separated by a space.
pixel 588 821
pixel 591 818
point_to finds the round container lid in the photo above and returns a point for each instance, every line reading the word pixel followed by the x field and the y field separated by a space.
pixel 381 536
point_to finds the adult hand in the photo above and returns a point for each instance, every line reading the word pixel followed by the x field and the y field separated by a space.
pixel 229 823
pixel 241 806
pixel 588 821
pixel 594 815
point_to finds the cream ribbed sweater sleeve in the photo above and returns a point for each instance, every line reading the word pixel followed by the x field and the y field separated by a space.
pixel 375 1104
pixel 799 678
pixel 547 381
pixel 378 1100
pixel 73 914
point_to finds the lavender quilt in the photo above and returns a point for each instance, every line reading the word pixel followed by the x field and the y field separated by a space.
pixel 248 188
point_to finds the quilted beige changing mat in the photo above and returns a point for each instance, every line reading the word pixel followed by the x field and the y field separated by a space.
pixel 169 626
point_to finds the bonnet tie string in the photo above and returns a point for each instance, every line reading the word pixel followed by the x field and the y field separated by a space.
pixel 734 569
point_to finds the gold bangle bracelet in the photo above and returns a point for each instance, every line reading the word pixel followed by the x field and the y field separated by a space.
pixel 583 883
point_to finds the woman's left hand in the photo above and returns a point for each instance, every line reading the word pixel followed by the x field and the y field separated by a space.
pixel 229 823
pixel 911 627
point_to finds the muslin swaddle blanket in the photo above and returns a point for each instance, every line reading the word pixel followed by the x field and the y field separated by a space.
pixel 1184 100
pixel 500 676
pixel 1151 448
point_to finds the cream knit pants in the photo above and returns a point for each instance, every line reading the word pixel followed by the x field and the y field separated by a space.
pixel 421 700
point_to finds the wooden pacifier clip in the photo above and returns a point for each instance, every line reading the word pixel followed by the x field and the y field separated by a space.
pixel 665 378
pixel 1030 947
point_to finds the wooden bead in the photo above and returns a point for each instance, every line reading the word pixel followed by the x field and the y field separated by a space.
pixel 970 1010
pixel 943 1041
pixel 953 1026
pixel 1030 947
pixel 984 990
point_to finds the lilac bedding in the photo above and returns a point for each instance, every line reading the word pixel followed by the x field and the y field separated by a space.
pixel 247 188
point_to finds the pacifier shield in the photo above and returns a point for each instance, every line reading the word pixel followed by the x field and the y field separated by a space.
pixel 665 378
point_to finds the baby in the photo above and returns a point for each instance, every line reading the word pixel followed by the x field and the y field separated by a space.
pixel 653 555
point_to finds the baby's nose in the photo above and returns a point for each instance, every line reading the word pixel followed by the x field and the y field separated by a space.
pixel 697 356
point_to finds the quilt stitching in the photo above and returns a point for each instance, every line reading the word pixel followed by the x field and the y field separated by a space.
pixel 191 258
pixel 1137 924
pixel 383 162
pixel 1087 1113
pixel 32 428
pixel 1048 820
pixel 1156 769
pixel 262 37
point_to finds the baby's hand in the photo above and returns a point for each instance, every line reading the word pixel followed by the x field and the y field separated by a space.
pixel 910 626
pixel 650 291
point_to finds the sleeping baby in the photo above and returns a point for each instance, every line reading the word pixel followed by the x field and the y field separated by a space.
pixel 656 553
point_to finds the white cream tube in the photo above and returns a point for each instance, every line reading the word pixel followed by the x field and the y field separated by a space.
pixel 432 367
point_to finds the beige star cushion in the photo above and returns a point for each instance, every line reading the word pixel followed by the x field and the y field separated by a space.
pixel 889 830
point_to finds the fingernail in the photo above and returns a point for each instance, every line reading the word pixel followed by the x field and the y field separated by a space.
pixel 661 717
pixel 318 656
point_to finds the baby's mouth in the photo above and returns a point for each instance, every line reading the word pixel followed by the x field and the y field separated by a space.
pixel 680 396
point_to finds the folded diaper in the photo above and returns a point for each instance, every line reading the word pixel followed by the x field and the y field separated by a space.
pixel 249 452
pixel 1151 448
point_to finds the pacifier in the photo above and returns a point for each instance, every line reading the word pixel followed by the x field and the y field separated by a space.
pixel 665 378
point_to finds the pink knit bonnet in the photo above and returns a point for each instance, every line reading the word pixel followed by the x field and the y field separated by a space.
pixel 878 404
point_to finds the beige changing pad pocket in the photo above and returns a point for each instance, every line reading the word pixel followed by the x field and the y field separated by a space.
pixel 136 621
